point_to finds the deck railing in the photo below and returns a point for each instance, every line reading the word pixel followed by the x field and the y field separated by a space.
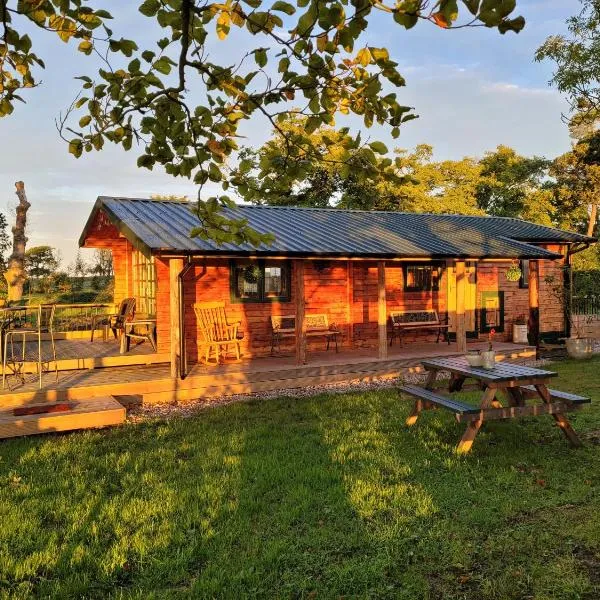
pixel 586 305
pixel 78 317
pixel 67 317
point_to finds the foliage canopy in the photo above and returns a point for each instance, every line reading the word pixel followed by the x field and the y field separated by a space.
pixel 184 107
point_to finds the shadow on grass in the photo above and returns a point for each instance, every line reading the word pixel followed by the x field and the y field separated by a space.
pixel 323 497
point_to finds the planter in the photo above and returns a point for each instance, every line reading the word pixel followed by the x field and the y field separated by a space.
pixel 580 348
pixel 488 359
pixel 520 334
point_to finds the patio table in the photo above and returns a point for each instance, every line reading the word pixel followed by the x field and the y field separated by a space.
pixel 513 383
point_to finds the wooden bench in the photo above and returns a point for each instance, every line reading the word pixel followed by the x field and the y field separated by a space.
pixel 430 397
pixel 567 397
pixel 404 320
pixel 316 325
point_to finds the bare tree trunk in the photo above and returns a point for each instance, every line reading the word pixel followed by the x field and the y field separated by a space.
pixel 15 274
pixel 592 221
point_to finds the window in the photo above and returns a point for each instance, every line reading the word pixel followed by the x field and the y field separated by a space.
pixel 524 281
pixel 144 283
pixel 260 281
pixel 422 277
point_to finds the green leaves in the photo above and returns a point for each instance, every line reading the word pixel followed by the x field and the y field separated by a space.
pixel 149 7
pixel 260 56
pixel 378 147
pixel 285 7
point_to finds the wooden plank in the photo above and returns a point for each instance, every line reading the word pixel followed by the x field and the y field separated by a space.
pixel 93 413
pixel 451 295
pixel 300 312
pixel 513 412
pixel 534 303
pixel 381 312
pixel 350 301
pixel 175 268
pixel 461 284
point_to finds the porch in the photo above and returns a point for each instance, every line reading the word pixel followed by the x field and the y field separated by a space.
pixel 153 383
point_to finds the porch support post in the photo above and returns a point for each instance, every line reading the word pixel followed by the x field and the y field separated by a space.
pixel 534 303
pixel 300 314
pixel 461 284
pixel 350 301
pixel 381 311
pixel 175 267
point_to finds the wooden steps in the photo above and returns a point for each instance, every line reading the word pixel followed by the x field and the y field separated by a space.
pixel 80 414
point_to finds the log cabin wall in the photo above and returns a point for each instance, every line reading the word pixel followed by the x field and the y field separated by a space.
pixel 326 291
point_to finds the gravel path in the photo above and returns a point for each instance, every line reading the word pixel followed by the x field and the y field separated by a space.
pixel 190 408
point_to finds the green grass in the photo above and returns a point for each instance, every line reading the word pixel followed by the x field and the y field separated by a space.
pixel 325 497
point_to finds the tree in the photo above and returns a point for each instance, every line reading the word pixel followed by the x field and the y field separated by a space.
pixel 41 261
pixel 184 108
pixel 15 274
pixel 515 186
pixel 577 73
pixel 577 186
pixel 78 269
pixel 371 181
pixel 102 263
pixel 4 242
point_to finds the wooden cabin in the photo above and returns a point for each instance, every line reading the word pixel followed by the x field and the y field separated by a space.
pixel 355 267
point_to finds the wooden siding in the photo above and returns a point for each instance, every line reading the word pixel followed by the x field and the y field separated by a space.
pixel 346 292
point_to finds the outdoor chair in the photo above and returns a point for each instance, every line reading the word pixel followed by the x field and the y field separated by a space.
pixel 218 335
pixel 28 323
pixel 116 321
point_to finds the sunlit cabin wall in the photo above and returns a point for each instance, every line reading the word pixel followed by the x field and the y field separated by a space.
pixel 329 291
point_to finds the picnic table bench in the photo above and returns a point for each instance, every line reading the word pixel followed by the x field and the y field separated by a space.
pixel 517 383
pixel 316 325
pixel 406 320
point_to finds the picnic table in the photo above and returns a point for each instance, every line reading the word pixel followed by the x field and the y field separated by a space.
pixel 512 383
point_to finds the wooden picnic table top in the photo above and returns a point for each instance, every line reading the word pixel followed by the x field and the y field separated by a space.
pixel 503 373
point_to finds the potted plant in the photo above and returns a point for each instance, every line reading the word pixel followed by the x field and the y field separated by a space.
pixel 513 273
pixel 520 330
pixel 489 356
pixel 578 345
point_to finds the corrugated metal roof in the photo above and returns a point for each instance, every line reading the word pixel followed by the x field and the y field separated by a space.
pixel 164 226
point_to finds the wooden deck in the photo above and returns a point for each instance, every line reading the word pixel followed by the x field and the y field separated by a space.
pixel 82 354
pixel 154 384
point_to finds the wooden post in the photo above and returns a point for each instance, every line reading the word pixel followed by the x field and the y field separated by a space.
pixel 461 284
pixel 300 313
pixel 381 311
pixel 534 303
pixel 175 267
pixel 349 302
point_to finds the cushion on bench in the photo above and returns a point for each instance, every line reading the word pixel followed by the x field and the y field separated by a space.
pixel 460 408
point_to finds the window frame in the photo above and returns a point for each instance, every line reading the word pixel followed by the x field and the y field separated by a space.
pixel 434 284
pixel 262 298
pixel 524 279
pixel 144 283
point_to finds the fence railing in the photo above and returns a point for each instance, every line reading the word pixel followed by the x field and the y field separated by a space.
pixel 78 317
pixel 586 305
pixel 67 317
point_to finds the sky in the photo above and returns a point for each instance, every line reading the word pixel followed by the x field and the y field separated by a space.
pixel 473 89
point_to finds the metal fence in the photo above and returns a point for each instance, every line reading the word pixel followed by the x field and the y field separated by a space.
pixel 67 317
pixel 586 305
pixel 78 317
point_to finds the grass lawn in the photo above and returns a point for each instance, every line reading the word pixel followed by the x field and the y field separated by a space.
pixel 322 497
